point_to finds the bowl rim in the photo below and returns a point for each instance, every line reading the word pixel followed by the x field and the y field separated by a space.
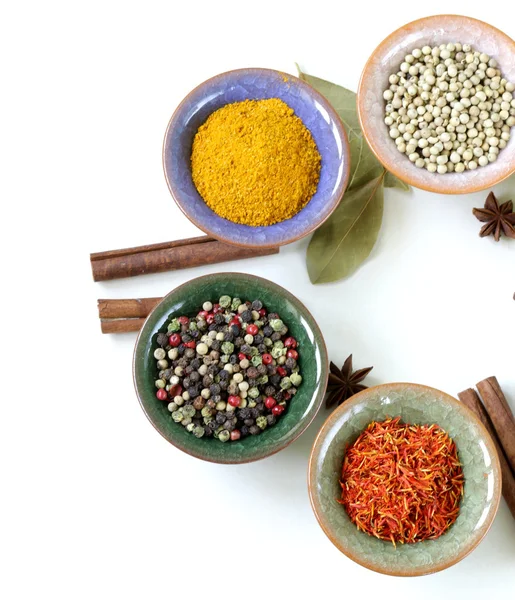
pixel 337 195
pixel 363 119
pixel 333 418
pixel 321 388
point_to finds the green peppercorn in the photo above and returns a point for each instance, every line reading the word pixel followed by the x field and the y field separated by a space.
pixel 276 324
pixel 276 352
pixel 263 379
pixel 224 435
pixel 189 410
pixel 227 348
pixel 198 431
pixel 296 379
pixel 177 416
pixel 252 403
pixel 261 422
pixel 256 360
pixel 253 392
pixel 193 326
pixel 268 342
pixel 174 326
pixel 186 421
pixel 285 383
pixel 160 384
pixel 225 301
pixel 236 302
pixel 206 411
pixel 172 407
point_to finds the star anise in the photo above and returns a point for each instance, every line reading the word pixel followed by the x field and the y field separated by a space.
pixel 497 218
pixel 344 383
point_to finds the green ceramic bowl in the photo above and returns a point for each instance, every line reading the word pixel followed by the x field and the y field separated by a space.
pixel 186 299
pixel 421 405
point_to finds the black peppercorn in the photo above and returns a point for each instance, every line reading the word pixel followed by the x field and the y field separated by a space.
pixel 272 316
pixel 252 373
pixel 254 413
pixel 224 384
pixel 229 425
pixel 248 422
pixel 252 382
pixel 269 390
pixel 239 341
pixel 272 369
pixel 233 359
pixel 223 374
pixel 228 336
pixel 245 348
pixel 290 363
pixel 208 432
pixel 212 370
pixel 235 330
pixel 257 305
pixel 275 380
pixel 260 408
pixel 258 339
pixel 193 391
pixel 216 345
pixel 261 369
pixel 162 340
pixel 244 431
pixel 267 331
pixel 195 363
pixel 180 349
pixel 207 381
pixel 261 348
pixel 271 419
pixel 214 388
pixel 220 418
pixel 254 430
pixel 186 338
pixel 195 334
pixel 212 327
pixel 194 376
pixel 167 373
pixel 246 316
pixel 275 337
pixel 219 319
pixel 243 413
pixel 186 382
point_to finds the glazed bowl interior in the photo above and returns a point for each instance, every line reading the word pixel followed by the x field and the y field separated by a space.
pixel 387 58
pixel 418 405
pixel 257 84
pixel 186 300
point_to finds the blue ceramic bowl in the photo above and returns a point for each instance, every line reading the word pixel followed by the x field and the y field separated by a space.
pixel 257 84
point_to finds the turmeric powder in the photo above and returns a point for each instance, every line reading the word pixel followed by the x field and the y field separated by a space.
pixel 254 162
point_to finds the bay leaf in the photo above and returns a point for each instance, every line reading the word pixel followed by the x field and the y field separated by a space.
pixel 391 181
pixel 364 166
pixel 345 240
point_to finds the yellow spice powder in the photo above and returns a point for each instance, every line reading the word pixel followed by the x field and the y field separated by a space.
pixel 254 162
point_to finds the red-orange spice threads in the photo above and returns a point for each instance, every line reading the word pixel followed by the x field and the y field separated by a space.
pixel 402 483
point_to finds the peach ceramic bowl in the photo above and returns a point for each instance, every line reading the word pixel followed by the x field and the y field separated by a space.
pixel 386 59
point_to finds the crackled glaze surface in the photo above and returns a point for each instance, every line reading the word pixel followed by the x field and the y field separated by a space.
pixel 421 405
pixel 386 59
pixel 313 361
pixel 317 115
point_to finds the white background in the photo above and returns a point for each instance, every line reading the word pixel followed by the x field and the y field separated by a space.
pixel 94 503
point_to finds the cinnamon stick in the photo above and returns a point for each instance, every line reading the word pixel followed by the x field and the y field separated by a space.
pixel 471 399
pixel 500 415
pixel 121 325
pixel 126 308
pixel 168 256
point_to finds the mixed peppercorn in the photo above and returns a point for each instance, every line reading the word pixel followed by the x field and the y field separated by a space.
pixel 229 371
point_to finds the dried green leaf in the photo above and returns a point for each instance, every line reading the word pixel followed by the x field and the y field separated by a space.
pixel 391 181
pixel 363 163
pixel 345 240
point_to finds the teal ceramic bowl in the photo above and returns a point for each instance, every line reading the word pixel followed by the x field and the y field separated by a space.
pixel 186 299
pixel 416 404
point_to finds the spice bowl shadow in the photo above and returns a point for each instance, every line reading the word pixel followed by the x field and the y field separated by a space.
pixel 415 404
pixel 317 115
pixel 386 59
pixel 313 362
